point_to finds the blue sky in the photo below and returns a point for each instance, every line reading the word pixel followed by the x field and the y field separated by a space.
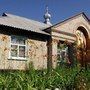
pixel 35 9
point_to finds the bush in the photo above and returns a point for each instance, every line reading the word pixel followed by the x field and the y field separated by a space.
pixel 61 77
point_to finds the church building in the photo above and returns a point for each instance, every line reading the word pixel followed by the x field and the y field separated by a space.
pixel 24 41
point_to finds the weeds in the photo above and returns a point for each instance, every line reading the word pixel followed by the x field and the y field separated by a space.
pixel 63 78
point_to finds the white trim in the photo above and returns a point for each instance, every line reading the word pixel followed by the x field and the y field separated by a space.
pixel 17 58
pixel 10 47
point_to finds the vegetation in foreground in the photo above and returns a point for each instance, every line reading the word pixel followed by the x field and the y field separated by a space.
pixel 63 78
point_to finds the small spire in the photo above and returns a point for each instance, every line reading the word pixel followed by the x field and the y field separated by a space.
pixel 47 17
pixel 47 9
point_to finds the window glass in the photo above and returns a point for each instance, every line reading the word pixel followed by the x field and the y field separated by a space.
pixel 21 51
pixel 14 50
pixel 18 40
pixel 13 40
pixel 18 47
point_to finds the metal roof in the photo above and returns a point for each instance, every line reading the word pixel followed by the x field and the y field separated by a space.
pixel 23 23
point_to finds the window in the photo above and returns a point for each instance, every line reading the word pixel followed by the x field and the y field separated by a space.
pixel 18 47
pixel 62 53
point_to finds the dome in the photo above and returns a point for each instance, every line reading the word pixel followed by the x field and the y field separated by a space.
pixel 47 15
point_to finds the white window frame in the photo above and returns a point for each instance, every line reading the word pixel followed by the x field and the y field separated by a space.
pixel 17 58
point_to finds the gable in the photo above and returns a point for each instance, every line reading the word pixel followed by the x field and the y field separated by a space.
pixel 70 25
pixel 71 18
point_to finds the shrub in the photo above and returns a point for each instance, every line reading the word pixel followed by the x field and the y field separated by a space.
pixel 61 77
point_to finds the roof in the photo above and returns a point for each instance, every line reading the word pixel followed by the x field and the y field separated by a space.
pixel 22 23
pixel 82 13
pixel 77 15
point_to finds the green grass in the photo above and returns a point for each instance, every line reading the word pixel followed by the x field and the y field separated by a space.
pixel 64 78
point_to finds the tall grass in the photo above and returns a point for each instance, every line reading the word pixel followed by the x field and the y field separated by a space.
pixel 64 78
